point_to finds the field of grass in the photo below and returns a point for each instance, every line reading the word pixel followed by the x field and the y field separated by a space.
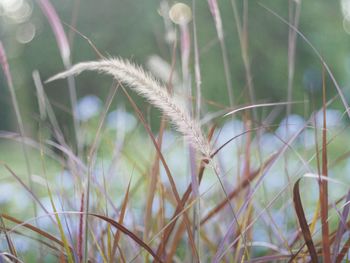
pixel 180 177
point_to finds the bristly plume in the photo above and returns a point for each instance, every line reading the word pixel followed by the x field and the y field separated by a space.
pixel 147 86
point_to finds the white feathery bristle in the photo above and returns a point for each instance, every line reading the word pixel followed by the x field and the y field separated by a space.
pixel 147 86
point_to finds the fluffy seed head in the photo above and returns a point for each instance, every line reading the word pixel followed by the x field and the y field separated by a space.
pixel 147 86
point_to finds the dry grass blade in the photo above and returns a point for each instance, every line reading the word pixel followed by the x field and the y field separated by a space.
pixel 261 105
pixel 6 257
pixel 8 238
pixel 323 184
pixel 303 223
pixel 343 251
pixel 341 227
pixel 39 240
pixel 98 247
pixel 120 221
pixel 177 238
pixel 130 234
pixel 80 231
pixel 35 229
pixel 152 185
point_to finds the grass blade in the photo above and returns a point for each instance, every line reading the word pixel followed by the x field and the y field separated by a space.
pixel 60 227
pixel 154 180
pixel 14 101
pixel 323 184
pixel 341 228
pixel 343 252
pixel 81 229
pixel 8 238
pixel 215 12
pixel 34 229
pixel 120 221
pixel 303 223
pixel 65 51
pixel 130 234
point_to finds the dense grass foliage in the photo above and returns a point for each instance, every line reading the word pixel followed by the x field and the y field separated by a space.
pixel 162 170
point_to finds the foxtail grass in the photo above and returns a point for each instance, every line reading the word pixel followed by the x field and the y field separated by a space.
pixel 146 219
pixel 147 86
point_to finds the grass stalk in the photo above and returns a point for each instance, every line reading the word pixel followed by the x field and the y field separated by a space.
pixel 215 11
pixel 14 101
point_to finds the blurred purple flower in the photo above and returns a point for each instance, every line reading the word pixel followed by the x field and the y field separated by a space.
pixel 88 107
pixel 121 120
pixel 289 126
pixel 333 118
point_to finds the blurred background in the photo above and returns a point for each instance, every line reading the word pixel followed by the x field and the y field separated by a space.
pixel 136 30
